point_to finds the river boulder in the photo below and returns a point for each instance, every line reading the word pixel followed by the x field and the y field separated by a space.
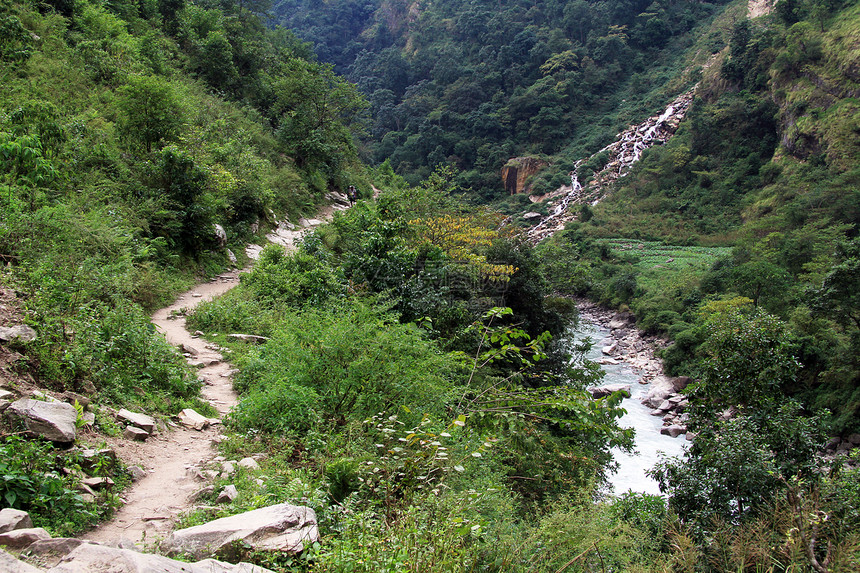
pixel 283 527
pixel 609 389
pixel 661 388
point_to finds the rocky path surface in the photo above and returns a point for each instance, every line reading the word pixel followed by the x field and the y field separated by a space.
pixel 172 458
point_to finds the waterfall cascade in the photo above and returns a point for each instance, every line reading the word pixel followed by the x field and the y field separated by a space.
pixel 623 153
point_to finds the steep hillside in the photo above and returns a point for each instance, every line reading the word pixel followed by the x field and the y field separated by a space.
pixel 765 161
pixel 474 83
pixel 138 143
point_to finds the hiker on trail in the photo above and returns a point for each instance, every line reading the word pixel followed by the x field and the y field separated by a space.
pixel 352 195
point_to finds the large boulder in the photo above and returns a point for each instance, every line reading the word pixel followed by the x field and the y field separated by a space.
pixel 53 421
pixel 14 519
pixel 90 558
pixel 281 527
pixel 9 564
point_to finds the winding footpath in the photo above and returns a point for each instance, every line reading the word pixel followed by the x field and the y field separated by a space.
pixel 172 459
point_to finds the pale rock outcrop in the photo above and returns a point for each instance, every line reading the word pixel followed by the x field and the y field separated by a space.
pixel 53 421
pixel 283 527
pixel 517 170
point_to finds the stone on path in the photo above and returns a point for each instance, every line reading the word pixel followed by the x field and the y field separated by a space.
pixel 134 433
pixel 22 538
pixel 142 421
pixel 281 527
pixel 11 519
pixel 192 419
pixel 248 338
pixel 53 421
pixel 90 558
pixel 9 564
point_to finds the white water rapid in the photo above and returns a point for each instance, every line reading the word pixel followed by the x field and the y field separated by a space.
pixel 649 442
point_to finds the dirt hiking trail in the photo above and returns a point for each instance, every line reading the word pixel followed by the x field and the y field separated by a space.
pixel 174 456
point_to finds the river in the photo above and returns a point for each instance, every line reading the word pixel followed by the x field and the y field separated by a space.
pixel 649 442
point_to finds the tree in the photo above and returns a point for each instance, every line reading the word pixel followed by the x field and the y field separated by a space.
pixel 839 295
pixel 316 110
pixel 151 111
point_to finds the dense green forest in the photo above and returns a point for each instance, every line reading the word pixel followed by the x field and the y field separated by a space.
pixel 472 84
pixel 416 388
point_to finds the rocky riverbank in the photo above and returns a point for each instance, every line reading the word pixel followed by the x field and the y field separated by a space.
pixel 627 344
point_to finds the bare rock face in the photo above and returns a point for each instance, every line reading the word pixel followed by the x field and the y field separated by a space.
pixel 90 558
pixel 517 170
pixel 281 527
pixel 53 421
pixel 11 519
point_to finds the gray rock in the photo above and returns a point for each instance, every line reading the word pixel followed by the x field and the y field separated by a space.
pixel 98 483
pixel 202 492
pixel 228 494
pixel 249 464
pixel 231 256
pixel 137 473
pixel 11 519
pixel 142 421
pixel 53 421
pixel 90 558
pixel 661 388
pixel 9 564
pixel 6 394
pixel 192 419
pixel 228 467
pixel 681 382
pixel 531 215
pixel 673 431
pixel 854 439
pixel 616 323
pixel 283 527
pixel 665 405
pixel 253 338
pixel 18 334
pixel 22 538
pixel 135 433
pixel 72 397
